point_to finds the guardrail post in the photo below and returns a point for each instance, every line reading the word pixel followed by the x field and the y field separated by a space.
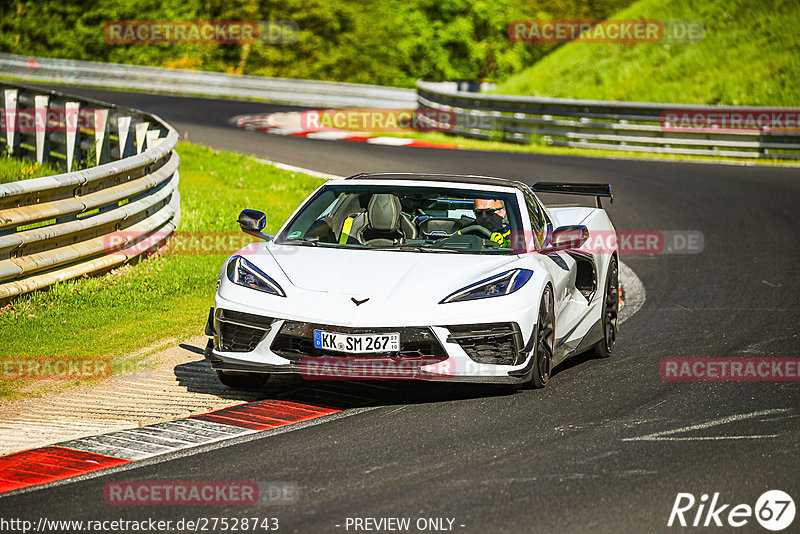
pixel 141 135
pixel 11 121
pixel 42 127
pixel 65 222
pixel 101 145
pixel 72 119
pixel 152 138
pixel 126 147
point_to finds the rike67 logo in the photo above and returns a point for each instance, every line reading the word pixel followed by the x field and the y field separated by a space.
pixel 774 510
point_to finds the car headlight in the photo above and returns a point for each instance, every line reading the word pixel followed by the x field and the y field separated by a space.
pixel 496 286
pixel 244 273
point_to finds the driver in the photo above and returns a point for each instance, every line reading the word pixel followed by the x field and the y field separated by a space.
pixel 491 214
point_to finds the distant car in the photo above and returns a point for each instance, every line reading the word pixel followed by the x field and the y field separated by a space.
pixel 422 276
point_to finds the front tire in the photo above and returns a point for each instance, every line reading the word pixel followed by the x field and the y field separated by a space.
pixel 545 338
pixel 610 311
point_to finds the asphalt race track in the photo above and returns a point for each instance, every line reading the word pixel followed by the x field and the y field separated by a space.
pixel 608 445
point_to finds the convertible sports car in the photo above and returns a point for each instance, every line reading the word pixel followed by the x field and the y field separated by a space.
pixel 423 276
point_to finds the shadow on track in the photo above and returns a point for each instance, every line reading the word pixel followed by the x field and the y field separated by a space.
pixel 199 377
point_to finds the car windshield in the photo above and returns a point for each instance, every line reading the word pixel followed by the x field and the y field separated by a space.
pixel 408 218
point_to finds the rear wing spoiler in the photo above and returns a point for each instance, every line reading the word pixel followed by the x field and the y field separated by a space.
pixel 594 190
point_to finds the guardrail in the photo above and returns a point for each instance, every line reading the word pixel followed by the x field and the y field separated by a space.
pixel 629 126
pixel 85 221
pixel 179 81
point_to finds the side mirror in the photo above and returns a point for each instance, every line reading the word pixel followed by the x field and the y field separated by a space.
pixel 252 222
pixel 567 238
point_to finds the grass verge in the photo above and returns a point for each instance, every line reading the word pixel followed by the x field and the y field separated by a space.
pixel 135 306
pixel 12 170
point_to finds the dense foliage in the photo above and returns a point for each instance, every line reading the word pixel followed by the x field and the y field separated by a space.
pixel 388 42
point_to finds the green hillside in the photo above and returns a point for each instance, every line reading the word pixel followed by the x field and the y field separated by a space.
pixel 750 56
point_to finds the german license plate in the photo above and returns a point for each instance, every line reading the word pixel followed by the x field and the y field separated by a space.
pixel 357 343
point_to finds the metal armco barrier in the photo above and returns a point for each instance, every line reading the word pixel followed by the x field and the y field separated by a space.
pixel 630 126
pixel 178 81
pixel 85 221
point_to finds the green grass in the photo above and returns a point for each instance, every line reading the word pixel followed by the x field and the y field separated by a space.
pixel 12 170
pixel 750 56
pixel 163 297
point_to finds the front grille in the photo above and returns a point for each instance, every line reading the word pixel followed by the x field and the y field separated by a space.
pixel 493 343
pixel 239 331
pixel 296 341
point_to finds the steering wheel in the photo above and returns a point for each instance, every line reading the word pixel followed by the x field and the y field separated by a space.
pixel 477 228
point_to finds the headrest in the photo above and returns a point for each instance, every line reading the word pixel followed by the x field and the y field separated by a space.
pixel 383 212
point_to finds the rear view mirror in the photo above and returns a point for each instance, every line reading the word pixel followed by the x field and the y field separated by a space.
pixel 252 222
pixel 567 238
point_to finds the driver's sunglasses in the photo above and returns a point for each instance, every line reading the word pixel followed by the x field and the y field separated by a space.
pixel 486 212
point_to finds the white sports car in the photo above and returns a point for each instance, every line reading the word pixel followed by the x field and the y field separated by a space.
pixel 431 277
